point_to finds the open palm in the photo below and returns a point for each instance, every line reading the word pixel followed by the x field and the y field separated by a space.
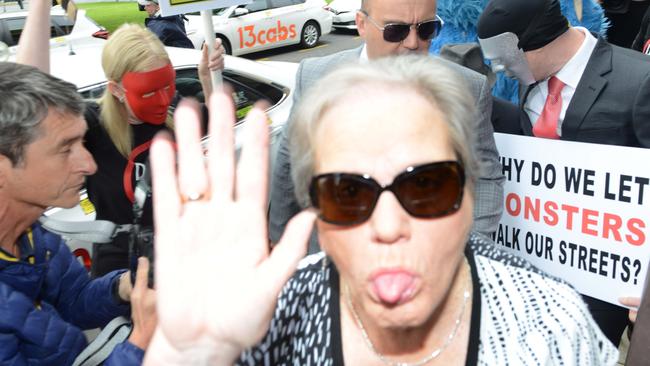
pixel 217 281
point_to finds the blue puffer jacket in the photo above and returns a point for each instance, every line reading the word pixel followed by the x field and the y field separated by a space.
pixel 461 18
pixel 47 298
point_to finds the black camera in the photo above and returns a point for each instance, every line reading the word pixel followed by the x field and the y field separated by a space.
pixel 141 245
pixel 141 235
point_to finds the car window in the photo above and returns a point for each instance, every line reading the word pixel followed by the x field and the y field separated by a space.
pixel 256 5
pixel 93 92
pixel 64 23
pixel 246 91
pixel 61 26
pixel 281 3
pixel 15 27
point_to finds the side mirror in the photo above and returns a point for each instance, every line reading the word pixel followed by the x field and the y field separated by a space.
pixel 239 12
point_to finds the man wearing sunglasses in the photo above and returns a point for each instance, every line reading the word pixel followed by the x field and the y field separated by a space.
pixel 394 27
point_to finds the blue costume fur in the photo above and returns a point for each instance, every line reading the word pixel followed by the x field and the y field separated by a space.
pixel 461 16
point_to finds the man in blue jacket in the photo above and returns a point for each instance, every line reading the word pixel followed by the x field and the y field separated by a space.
pixel 170 30
pixel 46 296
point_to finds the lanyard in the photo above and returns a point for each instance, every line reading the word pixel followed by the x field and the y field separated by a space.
pixel 128 171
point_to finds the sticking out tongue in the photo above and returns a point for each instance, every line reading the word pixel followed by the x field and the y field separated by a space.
pixel 391 287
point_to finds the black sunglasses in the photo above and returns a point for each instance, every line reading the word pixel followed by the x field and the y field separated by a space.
pixel 425 191
pixel 397 32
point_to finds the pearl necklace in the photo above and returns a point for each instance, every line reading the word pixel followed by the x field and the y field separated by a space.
pixel 424 360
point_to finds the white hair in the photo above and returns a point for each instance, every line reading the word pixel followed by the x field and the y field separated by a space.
pixel 427 76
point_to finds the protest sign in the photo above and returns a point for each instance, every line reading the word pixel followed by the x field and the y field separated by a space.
pixel 173 7
pixel 578 211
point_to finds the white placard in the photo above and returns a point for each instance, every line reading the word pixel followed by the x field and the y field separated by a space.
pixel 173 7
pixel 578 211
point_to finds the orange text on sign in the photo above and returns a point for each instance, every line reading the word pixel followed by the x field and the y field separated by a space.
pixel 249 37
pixel 590 222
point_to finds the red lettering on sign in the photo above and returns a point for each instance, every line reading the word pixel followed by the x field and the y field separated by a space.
pixel 550 218
pixel 635 227
pixel 591 222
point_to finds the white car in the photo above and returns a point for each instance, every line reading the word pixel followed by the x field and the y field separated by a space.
pixel 251 81
pixel 344 12
pixel 265 24
pixel 62 28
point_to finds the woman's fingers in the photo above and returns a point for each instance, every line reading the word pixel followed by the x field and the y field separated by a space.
pixel 216 58
pixel 633 303
pixel 630 301
pixel 285 256
pixel 142 275
pixel 193 181
pixel 166 203
pixel 252 169
pixel 204 55
pixel 221 151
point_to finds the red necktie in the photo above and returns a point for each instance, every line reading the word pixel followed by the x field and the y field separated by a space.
pixel 546 125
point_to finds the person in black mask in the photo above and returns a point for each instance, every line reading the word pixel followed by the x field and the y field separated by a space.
pixel 625 17
pixel 642 40
pixel 580 88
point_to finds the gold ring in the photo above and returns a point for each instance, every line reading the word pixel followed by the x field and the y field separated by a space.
pixel 193 197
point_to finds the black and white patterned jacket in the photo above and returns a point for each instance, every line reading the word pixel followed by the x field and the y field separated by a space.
pixel 522 317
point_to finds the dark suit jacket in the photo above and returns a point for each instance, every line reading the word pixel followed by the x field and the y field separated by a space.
pixel 611 104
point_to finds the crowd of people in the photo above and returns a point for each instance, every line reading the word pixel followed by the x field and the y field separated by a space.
pixel 387 177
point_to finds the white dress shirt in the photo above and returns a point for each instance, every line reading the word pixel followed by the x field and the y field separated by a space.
pixel 570 74
pixel 363 56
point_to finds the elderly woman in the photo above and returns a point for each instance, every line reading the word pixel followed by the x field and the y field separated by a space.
pixel 381 155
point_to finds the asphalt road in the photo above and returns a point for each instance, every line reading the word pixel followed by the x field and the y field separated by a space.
pixel 328 44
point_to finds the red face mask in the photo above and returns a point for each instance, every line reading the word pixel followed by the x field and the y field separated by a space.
pixel 150 93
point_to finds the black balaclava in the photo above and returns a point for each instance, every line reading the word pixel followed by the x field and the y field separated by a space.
pixel 535 22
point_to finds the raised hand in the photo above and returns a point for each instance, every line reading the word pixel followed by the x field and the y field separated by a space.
pixel 216 280
pixel 215 62
pixel 143 306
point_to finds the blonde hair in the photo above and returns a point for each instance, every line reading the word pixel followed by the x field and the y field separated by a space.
pixel 132 48
pixel 429 77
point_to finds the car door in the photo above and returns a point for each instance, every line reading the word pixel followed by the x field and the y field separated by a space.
pixel 251 27
pixel 288 18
